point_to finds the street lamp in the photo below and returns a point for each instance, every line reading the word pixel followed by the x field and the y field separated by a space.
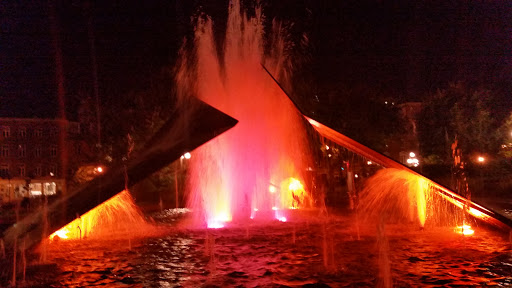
pixel 481 159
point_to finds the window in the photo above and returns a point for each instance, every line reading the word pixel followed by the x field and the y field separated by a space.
pixel 6 131
pixel 37 151
pixel 53 151
pixel 5 150
pixel 22 150
pixel 36 189
pixel 39 171
pixel 4 171
pixel 21 170
pixel 22 132
pixel 38 132
pixel 50 188
pixel 52 170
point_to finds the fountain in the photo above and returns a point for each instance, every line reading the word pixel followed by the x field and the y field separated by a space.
pixel 247 170
pixel 255 171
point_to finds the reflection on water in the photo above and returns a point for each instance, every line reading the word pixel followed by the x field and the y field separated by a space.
pixel 434 257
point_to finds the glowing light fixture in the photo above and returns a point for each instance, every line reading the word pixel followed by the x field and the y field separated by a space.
pixel 215 225
pixel 282 219
pixel 272 189
pixel 465 230
pixel 295 185
pixel 187 155
pixel 412 154
pixel 481 159
pixel 63 234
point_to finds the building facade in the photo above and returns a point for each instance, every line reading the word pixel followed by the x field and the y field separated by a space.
pixel 31 156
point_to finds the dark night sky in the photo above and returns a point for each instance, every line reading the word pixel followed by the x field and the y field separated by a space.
pixel 404 47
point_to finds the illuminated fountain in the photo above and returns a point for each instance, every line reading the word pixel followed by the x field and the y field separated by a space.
pixel 119 216
pixel 252 171
pixel 247 170
pixel 399 196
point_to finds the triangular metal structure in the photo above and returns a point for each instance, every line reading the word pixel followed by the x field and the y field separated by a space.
pixel 191 125
pixel 476 210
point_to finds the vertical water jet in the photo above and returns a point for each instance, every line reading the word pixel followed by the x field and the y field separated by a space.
pixel 230 176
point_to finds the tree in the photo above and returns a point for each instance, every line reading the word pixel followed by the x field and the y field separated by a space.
pixel 462 112
pixel 505 132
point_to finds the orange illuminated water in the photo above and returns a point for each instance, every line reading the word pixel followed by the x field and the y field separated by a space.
pixel 398 195
pixel 230 176
pixel 117 216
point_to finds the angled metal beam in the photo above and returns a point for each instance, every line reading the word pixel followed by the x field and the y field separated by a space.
pixel 474 209
pixel 191 125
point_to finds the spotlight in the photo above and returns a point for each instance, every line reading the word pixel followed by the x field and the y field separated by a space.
pixel 272 189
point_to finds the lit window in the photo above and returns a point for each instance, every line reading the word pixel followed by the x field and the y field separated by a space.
pixel 50 188
pixel 35 189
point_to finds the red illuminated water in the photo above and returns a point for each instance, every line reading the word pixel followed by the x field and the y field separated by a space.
pixel 307 250
pixel 231 176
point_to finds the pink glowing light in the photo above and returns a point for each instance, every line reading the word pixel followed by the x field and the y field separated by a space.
pixel 282 219
pixel 215 225
pixel 233 171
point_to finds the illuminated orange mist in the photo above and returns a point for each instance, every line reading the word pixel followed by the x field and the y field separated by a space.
pixel 116 216
pixel 396 193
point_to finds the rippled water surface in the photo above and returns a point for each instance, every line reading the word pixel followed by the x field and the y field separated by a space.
pixel 314 253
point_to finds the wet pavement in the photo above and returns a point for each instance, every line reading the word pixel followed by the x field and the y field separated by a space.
pixel 307 252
